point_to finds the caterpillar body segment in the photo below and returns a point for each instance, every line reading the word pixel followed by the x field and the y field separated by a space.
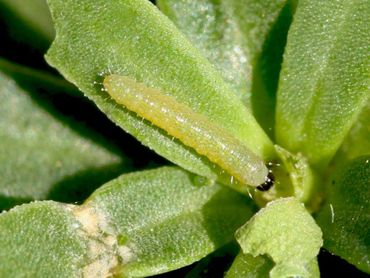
pixel 191 128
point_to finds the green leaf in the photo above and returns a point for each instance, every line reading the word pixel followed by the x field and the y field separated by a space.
pixel 345 219
pixel 243 39
pixel 357 142
pixel 287 233
pixel 42 151
pixel 324 81
pixel 140 224
pixel 247 266
pixel 167 219
pixel 300 174
pixel 30 22
pixel 41 239
pixel 133 39
pixel 293 176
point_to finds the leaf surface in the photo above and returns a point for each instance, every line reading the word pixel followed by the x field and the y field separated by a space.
pixel 244 40
pixel 245 265
pixel 169 218
pixel 139 224
pixel 286 232
pixel 345 218
pixel 133 39
pixel 324 82
pixel 41 239
pixel 40 150
pixel 357 142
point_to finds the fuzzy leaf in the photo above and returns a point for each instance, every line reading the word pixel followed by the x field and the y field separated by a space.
pixel 243 39
pixel 301 175
pixel 167 218
pixel 293 177
pixel 140 224
pixel 247 266
pixel 287 233
pixel 345 219
pixel 357 142
pixel 133 39
pixel 41 150
pixel 41 239
pixel 324 81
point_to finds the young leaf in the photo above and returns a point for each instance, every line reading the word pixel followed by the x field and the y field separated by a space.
pixel 140 224
pixel 132 38
pixel 292 176
pixel 324 79
pixel 41 150
pixel 287 233
pixel 301 177
pixel 243 39
pixel 345 218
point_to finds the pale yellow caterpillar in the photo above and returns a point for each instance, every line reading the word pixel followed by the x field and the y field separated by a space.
pixel 191 128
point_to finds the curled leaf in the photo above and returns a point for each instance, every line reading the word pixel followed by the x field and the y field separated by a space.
pixel 286 232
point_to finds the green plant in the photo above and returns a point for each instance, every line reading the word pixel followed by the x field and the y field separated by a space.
pixel 284 85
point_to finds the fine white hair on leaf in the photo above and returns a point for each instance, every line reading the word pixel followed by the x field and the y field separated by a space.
pixel 332 213
pixel 191 128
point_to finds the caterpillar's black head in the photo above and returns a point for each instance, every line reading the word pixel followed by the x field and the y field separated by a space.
pixel 269 182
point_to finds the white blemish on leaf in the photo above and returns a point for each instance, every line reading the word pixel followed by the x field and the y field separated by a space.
pixel 101 267
pixel 126 253
pixel 332 213
pixel 104 253
pixel 88 219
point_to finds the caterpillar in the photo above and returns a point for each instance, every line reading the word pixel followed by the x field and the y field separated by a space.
pixel 191 128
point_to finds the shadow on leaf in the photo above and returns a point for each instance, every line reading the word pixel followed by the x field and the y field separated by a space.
pixel 76 188
pixel 267 69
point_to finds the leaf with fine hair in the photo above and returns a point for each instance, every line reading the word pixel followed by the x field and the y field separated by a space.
pixel 287 233
pixel 43 154
pixel 137 225
pixel 324 82
pixel 244 40
pixel 345 218
pixel 133 39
